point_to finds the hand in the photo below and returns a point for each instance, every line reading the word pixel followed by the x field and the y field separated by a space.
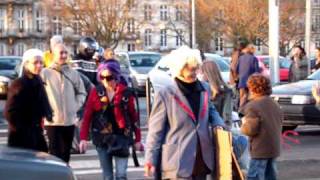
pixel 149 169
pixel 315 93
pixel 83 146
pixel 139 146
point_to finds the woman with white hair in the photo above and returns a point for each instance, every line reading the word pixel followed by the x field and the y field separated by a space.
pixel 179 144
pixel 27 105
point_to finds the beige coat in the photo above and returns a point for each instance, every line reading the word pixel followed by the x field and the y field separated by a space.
pixel 63 98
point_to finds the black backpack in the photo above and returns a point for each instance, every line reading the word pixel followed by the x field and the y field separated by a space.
pixel 101 123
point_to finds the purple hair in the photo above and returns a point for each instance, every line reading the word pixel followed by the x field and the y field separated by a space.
pixel 112 65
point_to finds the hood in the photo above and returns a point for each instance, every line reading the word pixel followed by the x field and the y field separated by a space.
pixel 297 88
pixel 12 74
pixel 15 154
pixel 142 70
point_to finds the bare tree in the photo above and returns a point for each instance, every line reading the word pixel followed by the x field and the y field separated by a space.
pixel 105 20
pixel 248 19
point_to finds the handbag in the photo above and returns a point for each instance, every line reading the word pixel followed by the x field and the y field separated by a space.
pixel 118 145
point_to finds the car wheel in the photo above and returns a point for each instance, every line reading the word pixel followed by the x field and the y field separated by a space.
pixel 289 128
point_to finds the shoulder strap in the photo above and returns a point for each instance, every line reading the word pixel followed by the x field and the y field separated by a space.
pixel 69 79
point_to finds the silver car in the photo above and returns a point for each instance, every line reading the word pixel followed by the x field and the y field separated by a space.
pixel 17 164
pixel 137 65
pixel 9 68
pixel 160 75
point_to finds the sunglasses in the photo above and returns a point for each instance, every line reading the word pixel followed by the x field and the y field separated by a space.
pixel 108 78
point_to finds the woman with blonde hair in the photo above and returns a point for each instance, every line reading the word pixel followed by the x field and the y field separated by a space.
pixel 221 92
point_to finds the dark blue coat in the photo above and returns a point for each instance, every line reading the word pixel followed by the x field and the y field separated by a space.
pixel 247 65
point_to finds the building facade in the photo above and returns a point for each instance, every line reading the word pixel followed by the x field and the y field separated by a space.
pixel 21 27
pixel 155 25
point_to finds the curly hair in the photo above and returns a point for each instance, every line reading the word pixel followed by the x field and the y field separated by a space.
pixel 259 84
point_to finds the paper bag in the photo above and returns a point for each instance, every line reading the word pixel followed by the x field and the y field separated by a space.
pixel 227 167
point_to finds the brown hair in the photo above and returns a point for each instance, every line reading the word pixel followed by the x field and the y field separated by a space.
pixel 259 84
pixel 212 72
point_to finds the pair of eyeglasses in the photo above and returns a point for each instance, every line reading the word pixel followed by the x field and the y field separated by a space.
pixel 108 78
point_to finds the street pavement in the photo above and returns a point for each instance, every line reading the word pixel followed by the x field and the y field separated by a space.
pixel 299 160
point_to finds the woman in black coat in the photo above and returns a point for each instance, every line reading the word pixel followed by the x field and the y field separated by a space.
pixel 27 105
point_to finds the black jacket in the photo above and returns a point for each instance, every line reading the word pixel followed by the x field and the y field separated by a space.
pixel 26 105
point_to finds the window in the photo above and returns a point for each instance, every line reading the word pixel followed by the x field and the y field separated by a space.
pixel 57 3
pixel 21 20
pixel 130 27
pixel 40 46
pixel 316 22
pixel 130 4
pixel 57 25
pixel 39 20
pixel 147 37
pixel 2 19
pixel 163 38
pixel 131 47
pixel 301 43
pixel 20 48
pixel 164 12
pixel 76 27
pixel 179 37
pixel 147 12
pixel 258 44
pixel 219 43
pixel 317 43
pixel 178 13
pixel 2 49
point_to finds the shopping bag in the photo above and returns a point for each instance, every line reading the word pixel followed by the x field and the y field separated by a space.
pixel 227 167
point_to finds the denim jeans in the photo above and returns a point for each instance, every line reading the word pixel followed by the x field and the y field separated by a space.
pixel 121 165
pixel 262 169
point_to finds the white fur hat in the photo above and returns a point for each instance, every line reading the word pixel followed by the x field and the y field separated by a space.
pixel 31 53
pixel 182 56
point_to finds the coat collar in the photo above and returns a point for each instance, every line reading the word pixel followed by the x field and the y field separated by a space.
pixel 184 104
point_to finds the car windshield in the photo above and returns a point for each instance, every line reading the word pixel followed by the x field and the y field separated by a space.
pixel 283 62
pixel 223 66
pixel 144 60
pixel 8 63
pixel 314 76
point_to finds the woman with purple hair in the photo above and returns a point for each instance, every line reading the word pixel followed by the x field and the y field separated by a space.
pixel 105 107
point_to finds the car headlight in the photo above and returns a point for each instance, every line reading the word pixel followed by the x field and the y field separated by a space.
pixel 302 99
pixel 4 79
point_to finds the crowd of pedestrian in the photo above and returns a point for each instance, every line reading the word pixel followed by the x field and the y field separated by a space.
pixel 57 94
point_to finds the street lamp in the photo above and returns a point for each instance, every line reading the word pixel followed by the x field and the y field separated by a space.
pixel 193 24
pixel 274 40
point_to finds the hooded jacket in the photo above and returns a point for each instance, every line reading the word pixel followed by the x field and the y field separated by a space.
pixel 66 93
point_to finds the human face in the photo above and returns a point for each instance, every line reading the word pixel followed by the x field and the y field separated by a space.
pixel 107 79
pixel 317 54
pixel 296 51
pixel 189 72
pixel 34 65
pixel 60 54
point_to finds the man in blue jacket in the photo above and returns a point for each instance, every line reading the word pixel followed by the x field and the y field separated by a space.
pixel 247 65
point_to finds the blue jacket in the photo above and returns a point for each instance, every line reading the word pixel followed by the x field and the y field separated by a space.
pixel 247 65
pixel 174 135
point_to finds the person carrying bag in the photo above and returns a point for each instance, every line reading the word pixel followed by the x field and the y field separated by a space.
pixel 111 114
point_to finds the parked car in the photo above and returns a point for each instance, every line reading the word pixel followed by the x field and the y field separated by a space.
pixel 9 69
pixel 160 75
pixel 137 65
pixel 297 103
pixel 17 164
pixel 284 65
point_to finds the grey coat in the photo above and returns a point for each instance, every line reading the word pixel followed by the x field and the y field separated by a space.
pixel 173 133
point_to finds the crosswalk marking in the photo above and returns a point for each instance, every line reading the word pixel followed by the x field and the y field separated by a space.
pixel 88 163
